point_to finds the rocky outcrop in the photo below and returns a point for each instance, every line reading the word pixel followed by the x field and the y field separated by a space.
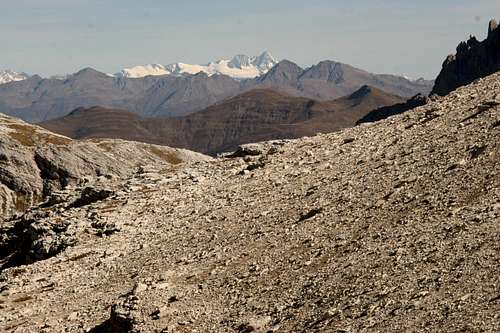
pixel 33 238
pixel 386 227
pixel 34 163
pixel 121 319
pixel 473 60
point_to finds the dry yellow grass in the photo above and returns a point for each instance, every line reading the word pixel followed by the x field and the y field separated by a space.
pixel 167 157
pixel 28 136
pixel 22 134
pixel 53 139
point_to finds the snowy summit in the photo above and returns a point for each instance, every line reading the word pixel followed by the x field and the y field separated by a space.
pixel 10 76
pixel 239 67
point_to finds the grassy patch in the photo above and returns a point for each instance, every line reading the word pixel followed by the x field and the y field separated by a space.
pixel 28 136
pixel 22 134
pixel 167 157
pixel 21 203
pixel 55 140
pixel 108 147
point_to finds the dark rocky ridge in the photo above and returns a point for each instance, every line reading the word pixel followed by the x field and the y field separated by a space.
pixel 37 99
pixel 473 60
pixel 392 110
pixel 253 116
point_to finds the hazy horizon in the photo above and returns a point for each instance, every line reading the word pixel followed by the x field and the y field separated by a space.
pixel 383 36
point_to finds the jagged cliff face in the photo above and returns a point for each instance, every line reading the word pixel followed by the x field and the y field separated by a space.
pixel 34 163
pixel 473 60
pixel 385 227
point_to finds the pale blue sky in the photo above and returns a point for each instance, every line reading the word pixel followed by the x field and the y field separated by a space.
pixel 384 36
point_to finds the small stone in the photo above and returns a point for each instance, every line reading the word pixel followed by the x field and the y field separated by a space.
pixel 73 316
pixel 140 287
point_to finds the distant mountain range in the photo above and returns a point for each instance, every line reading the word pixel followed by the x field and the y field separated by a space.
pixel 257 115
pixel 239 67
pixel 38 99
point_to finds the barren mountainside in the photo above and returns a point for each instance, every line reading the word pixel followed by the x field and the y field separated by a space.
pixel 36 99
pixel 330 80
pixel 257 115
pixel 386 227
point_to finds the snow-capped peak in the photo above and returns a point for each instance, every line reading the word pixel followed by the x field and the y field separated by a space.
pixel 265 61
pixel 10 76
pixel 240 61
pixel 239 67
pixel 141 71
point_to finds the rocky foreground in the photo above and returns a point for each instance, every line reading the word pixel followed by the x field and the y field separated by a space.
pixel 390 226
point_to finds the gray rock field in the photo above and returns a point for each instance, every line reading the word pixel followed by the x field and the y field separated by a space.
pixel 391 226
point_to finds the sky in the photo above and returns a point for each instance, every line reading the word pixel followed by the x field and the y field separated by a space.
pixel 406 37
